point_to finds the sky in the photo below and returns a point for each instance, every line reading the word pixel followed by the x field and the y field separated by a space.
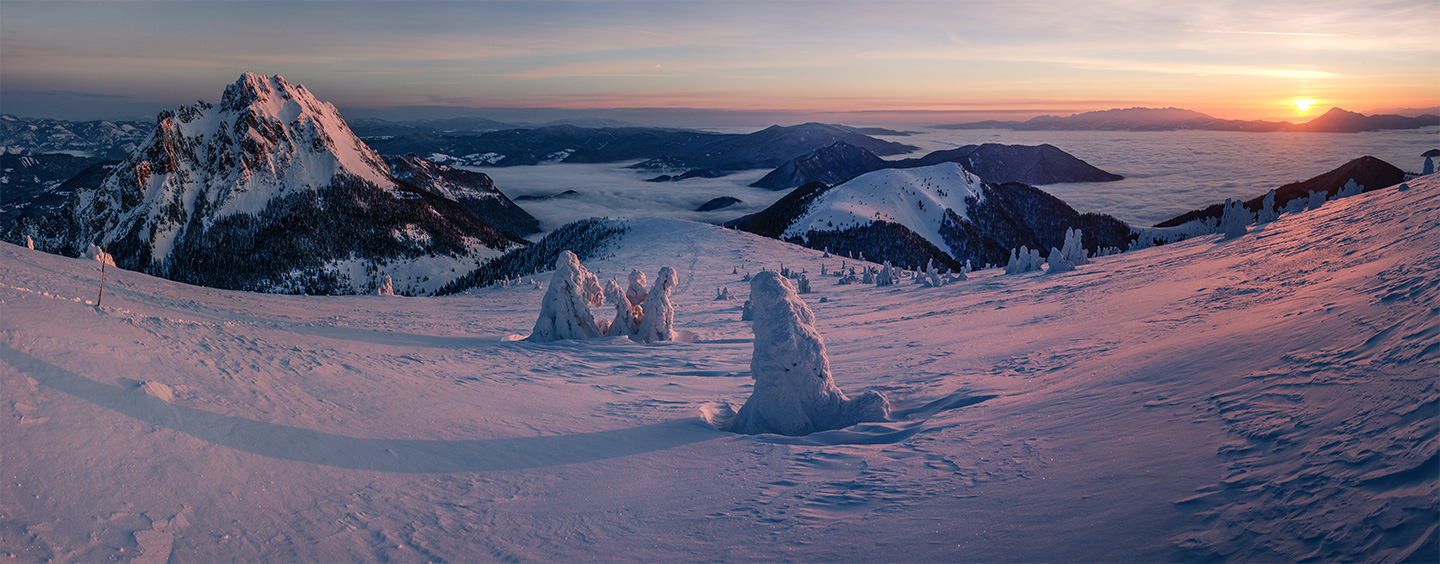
pixel 719 61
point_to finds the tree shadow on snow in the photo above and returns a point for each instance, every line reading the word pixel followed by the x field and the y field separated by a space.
pixel 905 421
pixel 388 455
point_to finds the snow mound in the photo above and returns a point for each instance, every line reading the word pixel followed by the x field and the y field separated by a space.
pixel 794 393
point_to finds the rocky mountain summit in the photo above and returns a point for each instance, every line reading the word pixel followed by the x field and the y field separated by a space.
pixel 269 190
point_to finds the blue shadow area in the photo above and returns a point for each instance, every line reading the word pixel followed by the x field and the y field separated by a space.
pixel 387 455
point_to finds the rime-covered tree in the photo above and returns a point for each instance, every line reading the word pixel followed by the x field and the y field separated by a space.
pixel 794 393
pixel 659 320
pixel 626 322
pixel 1235 219
pixel 565 308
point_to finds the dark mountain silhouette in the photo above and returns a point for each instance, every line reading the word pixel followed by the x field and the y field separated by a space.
pixel 1368 172
pixel 832 164
pixel 1026 164
pixel 474 190
pixel 1042 164
pixel 1168 119
pixel 770 148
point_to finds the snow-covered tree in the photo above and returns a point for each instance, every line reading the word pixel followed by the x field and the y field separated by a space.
pixel 794 392
pixel 565 308
pixel 1023 260
pixel 1235 219
pixel 636 291
pixel 888 276
pixel 1317 199
pixel 747 311
pixel 29 243
pixel 387 286
pixel 659 314
pixel 1350 189
pixel 1073 249
pixel 1267 208
pixel 804 284
pixel 626 322
pixel 99 255
pixel 1057 262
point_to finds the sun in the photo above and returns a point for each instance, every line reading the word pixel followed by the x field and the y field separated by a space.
pixel 1303 104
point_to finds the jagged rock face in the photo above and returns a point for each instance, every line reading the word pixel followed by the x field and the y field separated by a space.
pixel 474 190
pixel 269 161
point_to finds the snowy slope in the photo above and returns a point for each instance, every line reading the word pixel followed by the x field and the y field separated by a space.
pixel 916 198
pixel 1271 397
pixel 941 213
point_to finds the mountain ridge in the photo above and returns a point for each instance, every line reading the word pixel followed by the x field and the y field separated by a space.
pixel 1335 120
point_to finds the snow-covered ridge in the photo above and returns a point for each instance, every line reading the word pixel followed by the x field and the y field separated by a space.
pixel 917 198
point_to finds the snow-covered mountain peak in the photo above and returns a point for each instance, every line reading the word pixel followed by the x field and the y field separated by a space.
pixel 917 198
pixel 204 163
pixel 271 190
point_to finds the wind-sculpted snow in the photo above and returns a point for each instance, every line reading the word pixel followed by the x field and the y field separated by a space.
pixel 1270 397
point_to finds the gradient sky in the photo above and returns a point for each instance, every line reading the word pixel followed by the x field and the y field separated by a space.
pixel 850 62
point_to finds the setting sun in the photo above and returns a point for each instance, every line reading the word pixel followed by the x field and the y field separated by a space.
pixel 1303 104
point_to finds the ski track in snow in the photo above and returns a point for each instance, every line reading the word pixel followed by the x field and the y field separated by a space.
pixel 1272 397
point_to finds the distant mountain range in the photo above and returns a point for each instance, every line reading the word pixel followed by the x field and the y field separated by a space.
pixel 270 191
pixel 1168 119
pixel 939 212
pixel 96 139
pixel 839 162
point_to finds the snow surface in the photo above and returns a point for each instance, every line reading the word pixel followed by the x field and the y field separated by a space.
pixel 916 198
pixel 1271 397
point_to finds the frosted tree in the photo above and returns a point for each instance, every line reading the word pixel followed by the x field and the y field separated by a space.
pixel 659 314
pixel 1057 262
pixel 636 291
pixel 1073 249
pixel 804 284
pixel 1023 260
pixel 888 275
pixel 1350 189
pixel 1267 208
pixel 794 392
pixel 626 322
pixel 387 286
pixel 1317 199
pixel 1235 219
pixel 29 243
pixel 747 312
pixel 565 308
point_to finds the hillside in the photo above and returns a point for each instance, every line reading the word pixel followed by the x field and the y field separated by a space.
pixel 1268 398
pixel 941 212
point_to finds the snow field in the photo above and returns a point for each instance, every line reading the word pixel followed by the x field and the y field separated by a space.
pixel 1268 397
